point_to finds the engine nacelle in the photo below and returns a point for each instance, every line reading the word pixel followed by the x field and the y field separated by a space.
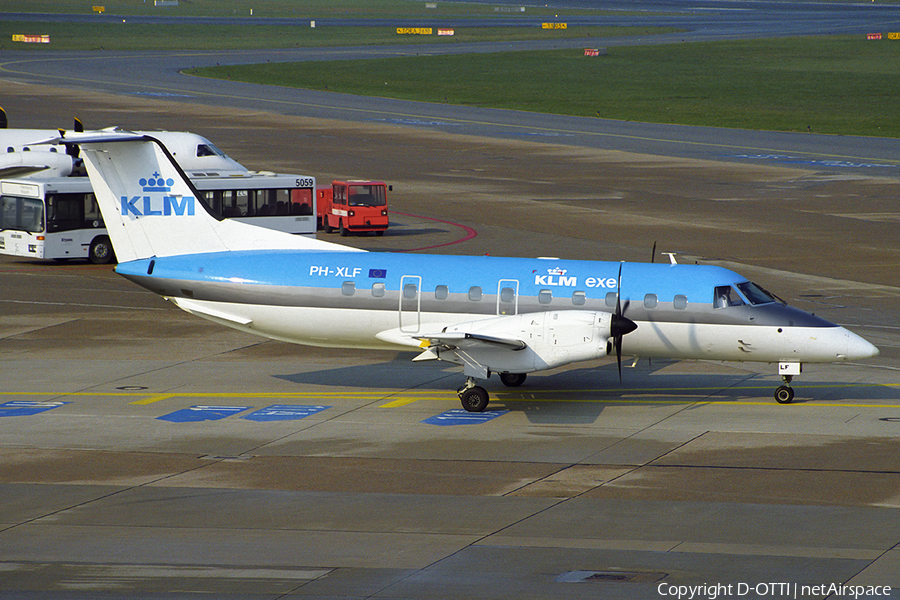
pixel 552 339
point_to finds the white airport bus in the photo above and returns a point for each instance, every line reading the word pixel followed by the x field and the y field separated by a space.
pixel 58 218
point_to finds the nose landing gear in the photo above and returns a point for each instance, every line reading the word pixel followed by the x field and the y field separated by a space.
pixel 785 393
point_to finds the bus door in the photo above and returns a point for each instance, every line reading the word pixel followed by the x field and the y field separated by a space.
pixel 508 297
pixel 410 303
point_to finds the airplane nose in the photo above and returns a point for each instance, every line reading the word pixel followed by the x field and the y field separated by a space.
pixel 858 348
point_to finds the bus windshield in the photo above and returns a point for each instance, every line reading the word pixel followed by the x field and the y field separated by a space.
pixel 21 214
pixel 366 195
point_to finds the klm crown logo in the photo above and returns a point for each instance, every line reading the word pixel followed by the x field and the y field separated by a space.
pixel 161 204
pixel 156 183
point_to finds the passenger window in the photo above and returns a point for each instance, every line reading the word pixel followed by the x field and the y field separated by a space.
pixel 475 293
pixel 348 288
pixel 725 296
pixel 378 290
pixel 650 301
pixel 545 296
pixel 441 292
pixel 578 298
pixel 680 302
pixel 611 298
pixel 507 295
pixel 410 291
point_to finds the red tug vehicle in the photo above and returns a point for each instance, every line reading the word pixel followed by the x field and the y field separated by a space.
pixel 353 206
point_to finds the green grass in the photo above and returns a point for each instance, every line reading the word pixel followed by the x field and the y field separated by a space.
pixel 132 36
pixel 841 85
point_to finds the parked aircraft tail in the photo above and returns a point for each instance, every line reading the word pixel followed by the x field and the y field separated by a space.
pixel 151 209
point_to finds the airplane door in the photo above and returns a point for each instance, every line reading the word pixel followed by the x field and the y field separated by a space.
pixel 410 303
pixel 508 297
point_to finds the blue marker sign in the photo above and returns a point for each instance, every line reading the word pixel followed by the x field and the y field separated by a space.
pixel 284 412
pixel 202 413
pixel 464 417
pixel 18 408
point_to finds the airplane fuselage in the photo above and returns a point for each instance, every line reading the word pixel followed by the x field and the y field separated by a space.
pixel 386 301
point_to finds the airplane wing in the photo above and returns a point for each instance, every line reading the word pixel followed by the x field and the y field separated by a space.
pixel 21 171
pixel 21 164
pixel 460 339
pixel 520 343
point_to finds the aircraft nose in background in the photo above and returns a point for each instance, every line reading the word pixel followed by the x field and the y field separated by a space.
pixel 859 348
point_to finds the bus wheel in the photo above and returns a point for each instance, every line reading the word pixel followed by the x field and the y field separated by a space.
pixel 328 227
pixel 344 230
pixel 101 252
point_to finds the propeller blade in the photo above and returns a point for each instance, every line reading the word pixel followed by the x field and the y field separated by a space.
pixel 618 345
pixel 620 325
pixel 619 291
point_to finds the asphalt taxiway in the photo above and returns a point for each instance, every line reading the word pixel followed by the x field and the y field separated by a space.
pixel 147 453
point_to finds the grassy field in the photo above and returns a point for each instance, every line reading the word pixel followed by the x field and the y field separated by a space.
pixel 840 85
pixel 133 36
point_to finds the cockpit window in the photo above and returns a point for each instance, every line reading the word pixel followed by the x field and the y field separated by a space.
pixel 725 296
pixel 755 294
pixel 208 150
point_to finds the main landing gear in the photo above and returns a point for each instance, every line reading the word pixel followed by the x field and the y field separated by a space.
pixel 475 398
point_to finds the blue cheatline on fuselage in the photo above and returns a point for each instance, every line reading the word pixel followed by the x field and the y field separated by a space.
pixel 460 273
pixel 457 284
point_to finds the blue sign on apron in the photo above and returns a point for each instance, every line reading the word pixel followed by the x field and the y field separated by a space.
pixel 25 408
pixel 284 412
pixel 463 417
pixel 202 413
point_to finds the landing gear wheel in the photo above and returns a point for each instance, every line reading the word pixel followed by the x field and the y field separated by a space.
pixel 784 394
pixel 512 379
pixel 474 399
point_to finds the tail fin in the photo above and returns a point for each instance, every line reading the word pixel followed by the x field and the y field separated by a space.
pixel 151 208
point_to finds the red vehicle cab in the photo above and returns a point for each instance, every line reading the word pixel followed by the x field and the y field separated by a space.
pixel 351 206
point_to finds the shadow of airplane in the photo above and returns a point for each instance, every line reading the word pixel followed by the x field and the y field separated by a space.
pixel 579 395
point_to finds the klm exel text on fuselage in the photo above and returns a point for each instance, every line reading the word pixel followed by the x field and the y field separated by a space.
pixel 563 281
pixel 160 206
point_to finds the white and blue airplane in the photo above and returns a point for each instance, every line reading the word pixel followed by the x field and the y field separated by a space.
pixel 510 316
pixel 24 152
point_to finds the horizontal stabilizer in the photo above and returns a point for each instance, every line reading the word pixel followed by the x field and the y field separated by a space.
pixel 201 310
